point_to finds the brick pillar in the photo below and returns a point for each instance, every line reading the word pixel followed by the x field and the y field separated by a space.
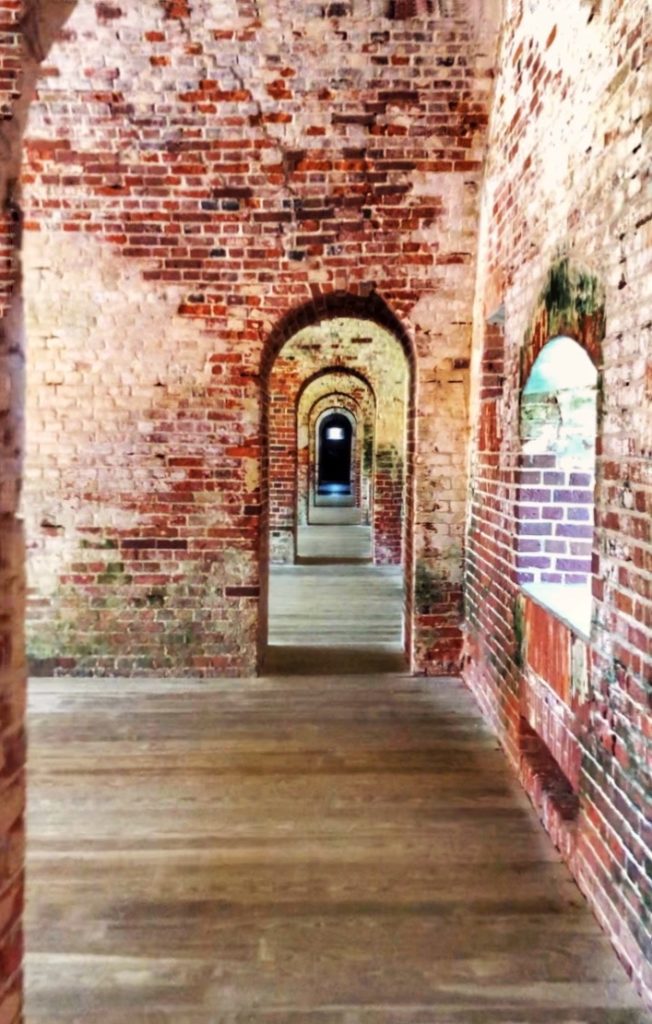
pixel 388 506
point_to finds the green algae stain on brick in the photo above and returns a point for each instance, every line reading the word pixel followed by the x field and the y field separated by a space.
pixel 108 543
pixel 574 301
pixel 558 293
pixel 114 573
pixel 368 452
pixel 572 304
pixel 428 589
pixel 390 461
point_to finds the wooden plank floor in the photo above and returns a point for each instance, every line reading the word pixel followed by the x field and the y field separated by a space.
pixel 333 618
pixel 348 605
pixel 328 542
pixel 334 534
pixel 349 850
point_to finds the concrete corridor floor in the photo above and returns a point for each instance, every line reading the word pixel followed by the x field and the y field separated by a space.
pixel 344 850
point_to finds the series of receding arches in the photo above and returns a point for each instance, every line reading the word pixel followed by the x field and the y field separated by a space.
pixel 339 392
pixel 556 467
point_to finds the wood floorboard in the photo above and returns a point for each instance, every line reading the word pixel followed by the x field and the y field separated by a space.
pixel 334 540
pixel 330 617
pixel 348 604
pixel 326 850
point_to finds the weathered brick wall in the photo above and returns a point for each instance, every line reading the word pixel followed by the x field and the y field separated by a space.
pixel 389 485
pixel 358 347
pixel 10 57
pixel 194 174
pixel 566 233
pixel 12 660
pixel 554 522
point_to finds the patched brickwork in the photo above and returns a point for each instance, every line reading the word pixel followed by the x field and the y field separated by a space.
pixel 300 155
pixel 12 659
pixel 554 522
pixel 360 347
pixel 567 252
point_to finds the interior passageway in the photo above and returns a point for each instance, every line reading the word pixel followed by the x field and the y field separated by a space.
pixel 298 851
pixel 221 223
pixel 334 535
pixel 335 611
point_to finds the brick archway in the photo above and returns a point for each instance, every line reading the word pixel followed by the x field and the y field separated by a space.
pixel 373 309
pixel 356 392
pixel 321 408
pixel 329 306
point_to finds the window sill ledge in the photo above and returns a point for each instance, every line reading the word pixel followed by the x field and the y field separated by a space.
pixel 571 604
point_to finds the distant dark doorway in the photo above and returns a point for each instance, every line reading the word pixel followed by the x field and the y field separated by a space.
pixel 334 463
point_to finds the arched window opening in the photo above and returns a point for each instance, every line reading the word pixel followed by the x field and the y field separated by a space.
pixel 555 508
pixel 334 461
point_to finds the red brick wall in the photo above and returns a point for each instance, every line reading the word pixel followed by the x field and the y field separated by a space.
pixel 308 473
pixel 12 662
pixel 361 348
pixel 285 385
pixel 389 486
pixel 173 222
pixel 564 190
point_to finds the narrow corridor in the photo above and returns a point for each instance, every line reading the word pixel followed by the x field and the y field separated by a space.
pixel 346 850
pixel 335 612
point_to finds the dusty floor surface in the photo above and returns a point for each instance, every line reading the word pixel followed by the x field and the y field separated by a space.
pixel 349 850
pixel 298 849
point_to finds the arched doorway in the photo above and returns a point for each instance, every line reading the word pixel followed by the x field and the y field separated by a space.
pixel 347 391
pixel 326 444
pixel 335 440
